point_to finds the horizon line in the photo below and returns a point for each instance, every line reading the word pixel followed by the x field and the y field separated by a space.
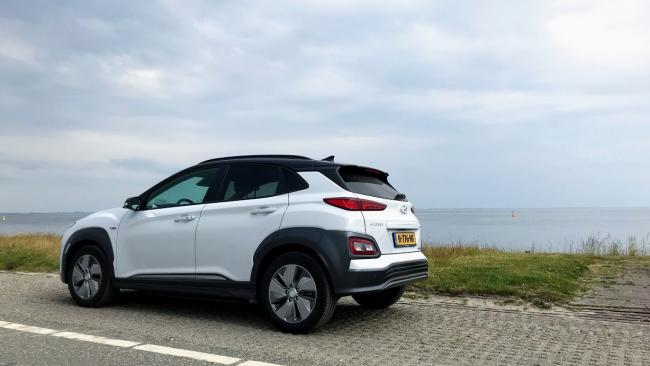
pixel 416 209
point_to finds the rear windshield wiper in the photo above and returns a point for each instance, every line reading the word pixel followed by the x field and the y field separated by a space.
pixel 400 197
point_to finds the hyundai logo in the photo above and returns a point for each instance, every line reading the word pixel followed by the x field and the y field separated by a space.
pixel 403 209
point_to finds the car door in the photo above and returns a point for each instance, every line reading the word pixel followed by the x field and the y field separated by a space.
pixel 250 207
pixel 158 240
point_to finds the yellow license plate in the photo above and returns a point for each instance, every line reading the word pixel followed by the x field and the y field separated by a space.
pixel 404 239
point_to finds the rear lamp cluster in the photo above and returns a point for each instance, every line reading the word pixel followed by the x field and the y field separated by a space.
pixel 355 204
pixel 359 246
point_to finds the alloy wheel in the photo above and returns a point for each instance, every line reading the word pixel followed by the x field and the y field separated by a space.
pixel 292 293
pixel 86 276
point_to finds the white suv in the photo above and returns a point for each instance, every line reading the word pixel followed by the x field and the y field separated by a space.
pixel 292 233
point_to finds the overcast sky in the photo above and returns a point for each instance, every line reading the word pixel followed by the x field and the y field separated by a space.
pixel 465 103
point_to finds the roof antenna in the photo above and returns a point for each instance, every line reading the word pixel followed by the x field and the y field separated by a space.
pixel 329 158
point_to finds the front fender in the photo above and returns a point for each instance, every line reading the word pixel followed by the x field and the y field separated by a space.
pixel 96 235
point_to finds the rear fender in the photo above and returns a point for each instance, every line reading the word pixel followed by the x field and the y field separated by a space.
pixel 329 246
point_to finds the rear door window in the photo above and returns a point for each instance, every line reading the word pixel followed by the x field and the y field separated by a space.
pixel 252 181
pixel 292 182
pixel 368 182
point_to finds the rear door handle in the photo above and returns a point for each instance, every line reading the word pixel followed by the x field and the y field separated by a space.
pixel 263 210
pixel 185 218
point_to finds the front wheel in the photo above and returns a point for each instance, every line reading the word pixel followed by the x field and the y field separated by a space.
pixel 296 293
pixel 89 279
pixel 380 299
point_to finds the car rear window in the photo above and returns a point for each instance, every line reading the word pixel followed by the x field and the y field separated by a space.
pixel 369 182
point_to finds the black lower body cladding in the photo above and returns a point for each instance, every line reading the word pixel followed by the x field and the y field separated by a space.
pixel 398 274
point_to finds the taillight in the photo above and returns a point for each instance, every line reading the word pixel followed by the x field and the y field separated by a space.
pixel 355 204
pixel 359 246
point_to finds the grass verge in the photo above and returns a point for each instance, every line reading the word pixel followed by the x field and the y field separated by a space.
pixel 30 252
pixel 540 278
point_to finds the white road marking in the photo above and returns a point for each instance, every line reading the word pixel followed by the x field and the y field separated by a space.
pixel 256 363
pixel 26 328
pixel 95 339
pixel 201 356
pixel 188 354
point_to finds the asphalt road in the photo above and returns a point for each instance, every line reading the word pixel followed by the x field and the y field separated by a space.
pixel 410 333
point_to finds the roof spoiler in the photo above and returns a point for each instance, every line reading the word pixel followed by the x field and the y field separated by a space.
pixel 329 158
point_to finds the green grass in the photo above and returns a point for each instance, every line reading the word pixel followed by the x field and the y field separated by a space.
pixel 29 253
pixel 453 269
pixel 538 278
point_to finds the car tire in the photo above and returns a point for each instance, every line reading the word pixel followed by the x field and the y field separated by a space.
pixel 296 293
pixel 381 299
pixel 89 278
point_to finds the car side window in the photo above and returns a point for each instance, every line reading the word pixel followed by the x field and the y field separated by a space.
pixel 188 189
pixel 252 181
pixel 292 182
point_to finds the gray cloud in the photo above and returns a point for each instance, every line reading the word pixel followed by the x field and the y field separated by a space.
pixel 141 164
pixel 486 103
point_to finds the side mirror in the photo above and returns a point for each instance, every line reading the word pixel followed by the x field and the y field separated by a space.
pixel 132 203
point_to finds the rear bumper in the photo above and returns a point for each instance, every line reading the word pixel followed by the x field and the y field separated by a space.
pixel 382 273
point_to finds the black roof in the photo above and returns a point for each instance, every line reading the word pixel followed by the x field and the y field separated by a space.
pixel 293 161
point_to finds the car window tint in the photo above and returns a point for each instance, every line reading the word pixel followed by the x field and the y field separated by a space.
pixel 368 182
pixel 251 181
pixel 188 189
pixel 292 182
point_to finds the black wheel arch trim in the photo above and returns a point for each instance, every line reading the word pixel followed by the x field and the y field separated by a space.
pixel 330 247
pixel 98 236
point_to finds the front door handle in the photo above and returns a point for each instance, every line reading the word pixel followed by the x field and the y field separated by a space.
pixel 263 210
pixel 185 218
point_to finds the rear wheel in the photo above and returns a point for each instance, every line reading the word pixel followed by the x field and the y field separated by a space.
pixel 296 293
pixel 89 280
pixel 380 299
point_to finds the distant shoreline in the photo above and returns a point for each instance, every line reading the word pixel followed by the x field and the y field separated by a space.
pixel 417 208
pixel 563 230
